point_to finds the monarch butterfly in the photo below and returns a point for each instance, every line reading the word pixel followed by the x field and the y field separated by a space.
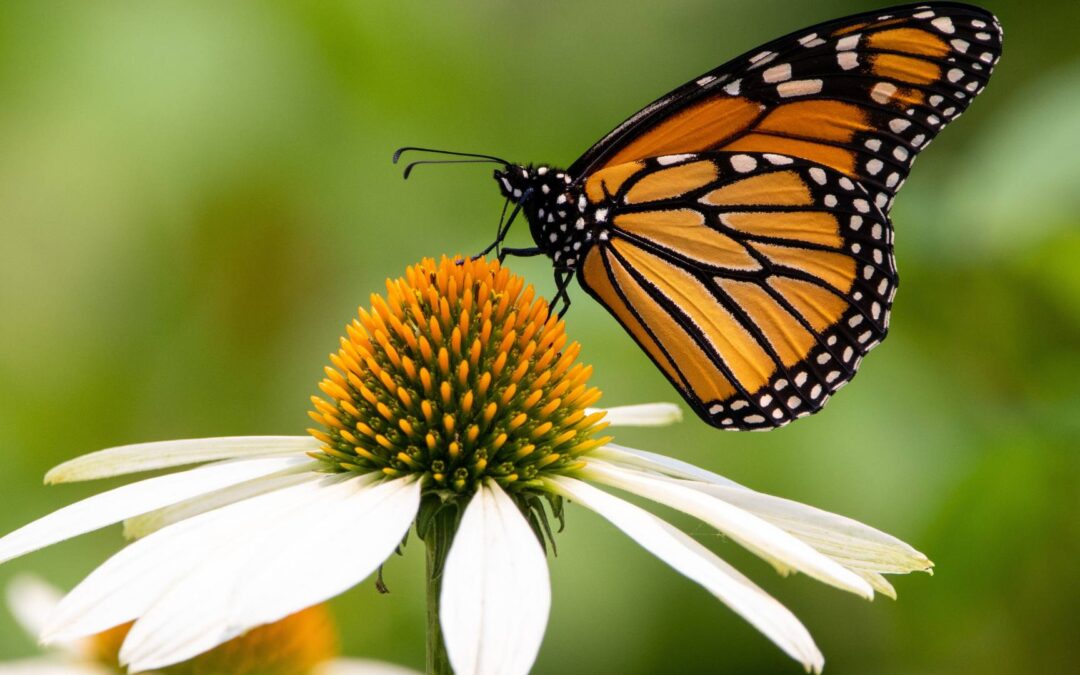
pixel 738 227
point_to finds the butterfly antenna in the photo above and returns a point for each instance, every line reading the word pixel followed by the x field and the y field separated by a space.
pixel 413 148
pixel 409 168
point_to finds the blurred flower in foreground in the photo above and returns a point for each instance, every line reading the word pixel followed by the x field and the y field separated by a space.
pixel 304 643
pixel 455 404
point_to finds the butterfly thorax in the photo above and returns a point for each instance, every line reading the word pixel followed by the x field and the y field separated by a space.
pixel 560 217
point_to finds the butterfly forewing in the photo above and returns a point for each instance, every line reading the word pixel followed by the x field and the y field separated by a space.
pixel 755 281
pixel 861 95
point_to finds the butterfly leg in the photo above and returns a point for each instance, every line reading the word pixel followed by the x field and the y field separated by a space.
pixel 562 282
pixel 504 227
pixel 520 252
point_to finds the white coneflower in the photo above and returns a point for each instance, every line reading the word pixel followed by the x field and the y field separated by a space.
pixel 302 644
pixel 456 404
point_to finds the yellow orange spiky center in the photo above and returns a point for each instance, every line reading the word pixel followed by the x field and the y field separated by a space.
pixel 458 374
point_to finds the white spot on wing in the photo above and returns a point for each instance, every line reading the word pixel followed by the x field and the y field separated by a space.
pixel 743 163
pixel 847 43
pixel 882 92
pixel 799 88
pixel 762 58
pixel 672 159
pixel 778 73
pixel 847 60
pixel 899 124
pixel 944 24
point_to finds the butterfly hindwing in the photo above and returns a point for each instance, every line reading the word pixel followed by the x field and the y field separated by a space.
pixel 862 95
pixel 755 281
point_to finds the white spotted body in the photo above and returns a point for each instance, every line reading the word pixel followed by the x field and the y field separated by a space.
pixel 562 221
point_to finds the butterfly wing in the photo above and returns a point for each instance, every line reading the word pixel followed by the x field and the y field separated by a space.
pixel 755 281
pixel 861 95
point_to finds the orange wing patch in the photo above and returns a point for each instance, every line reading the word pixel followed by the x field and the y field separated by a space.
pixel 746 359
pixel 682 231
pixel 694 369
pixel 820 307
pixel 598 280
pixel 909 40
pixel 696 129
pixel 780 188
pixel 671 183
pixel 904 68
pixel 816 227
pixel 610 179
pixel 821 120
pixel 837 269
pixel 785 334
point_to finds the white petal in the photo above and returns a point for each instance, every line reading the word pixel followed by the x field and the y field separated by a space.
pixel 131 500
pixel 880 583
pixel 697 563
pixel 763 538
pixel 45 666
pixel 848 541
pixel 361 667
pixel 127 584
pixel 317 550
pixel 166 454
pixel 496 594
pixel 641 415
pixel 631 457
pixel 140 526
pixel 32 600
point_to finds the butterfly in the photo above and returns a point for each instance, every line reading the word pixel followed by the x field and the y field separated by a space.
pixel 738 227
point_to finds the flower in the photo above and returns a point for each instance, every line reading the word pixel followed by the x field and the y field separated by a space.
pixel 455 404
pixel 305 642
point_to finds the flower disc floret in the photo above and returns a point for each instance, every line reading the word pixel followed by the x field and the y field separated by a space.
pixel 458 374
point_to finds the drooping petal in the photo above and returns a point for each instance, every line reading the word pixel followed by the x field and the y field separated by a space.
pixel 853 544
pixel 140 526
pixel 662 464
pixel 763 538
pixel 135 499
pixel 496 594
pixel 848 541
pixel 880 583
pixel 697 563
pixel 640 415
pixel 138 457
pixel 319 549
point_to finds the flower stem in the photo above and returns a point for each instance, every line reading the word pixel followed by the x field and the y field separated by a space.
pixel 439 535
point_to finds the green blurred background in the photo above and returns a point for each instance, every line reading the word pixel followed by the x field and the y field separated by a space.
pixel 196 196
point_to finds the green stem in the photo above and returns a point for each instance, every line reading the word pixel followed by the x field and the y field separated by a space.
pixel 438 538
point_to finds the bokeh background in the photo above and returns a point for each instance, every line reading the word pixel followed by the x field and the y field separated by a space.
pixel 194 198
